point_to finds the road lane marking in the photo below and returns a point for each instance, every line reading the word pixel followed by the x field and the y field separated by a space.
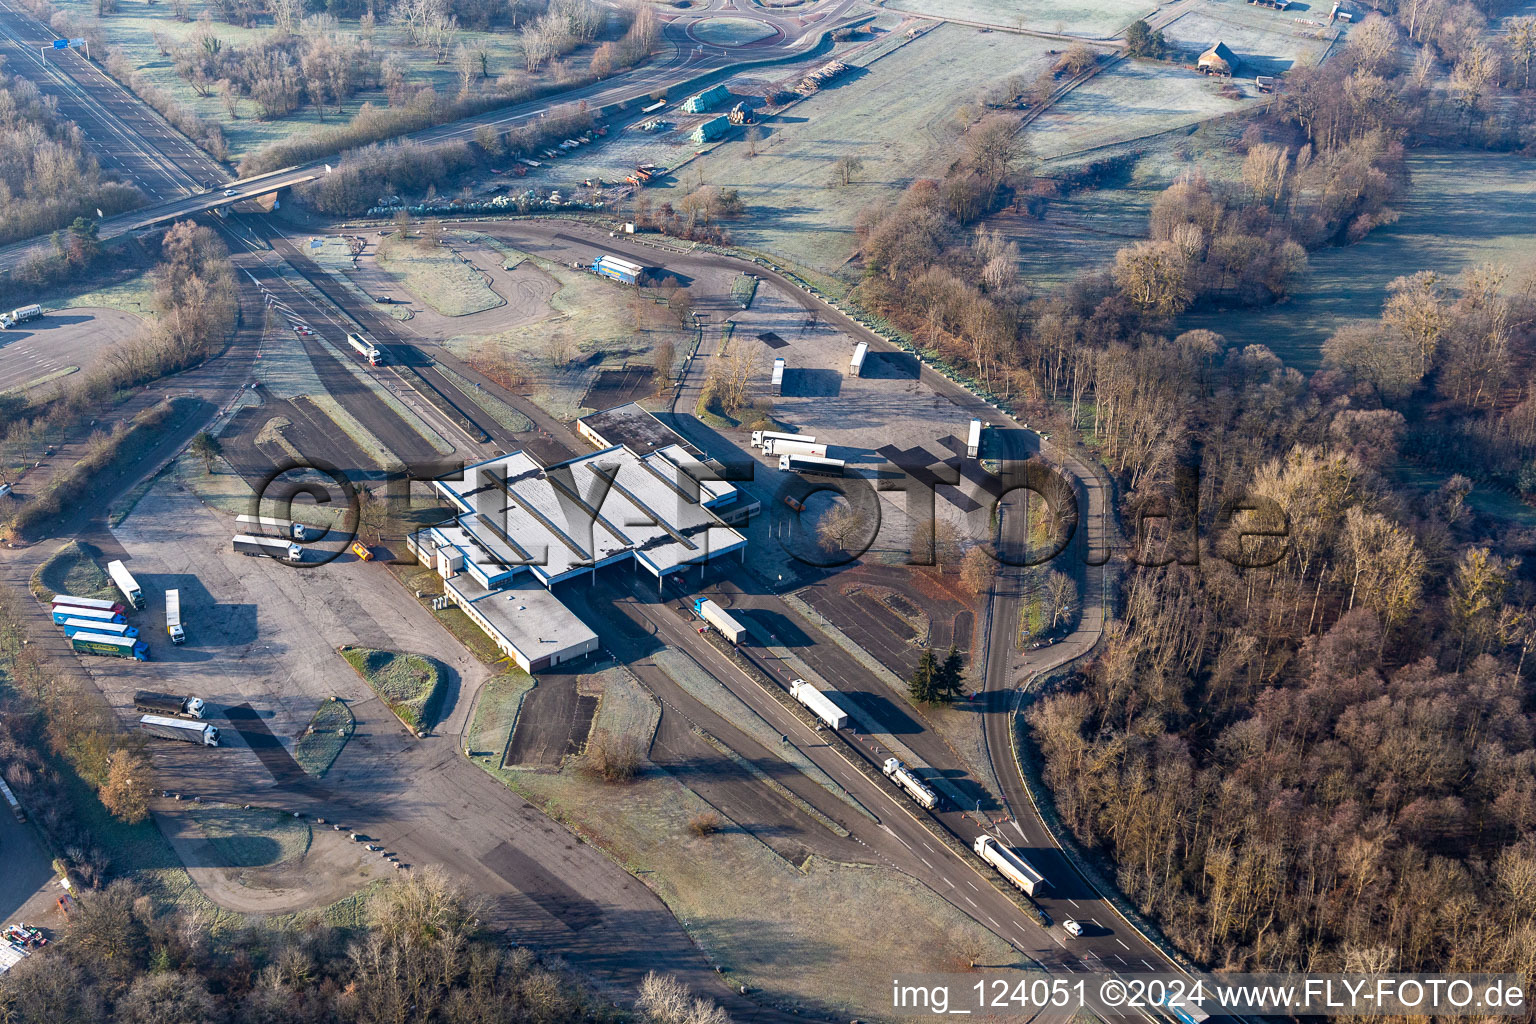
pixel 1123 945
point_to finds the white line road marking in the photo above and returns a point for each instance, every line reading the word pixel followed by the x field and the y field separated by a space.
pixel 1017 828
pixel 1075 904
pixel 969 900
pixel 972 885
pixel 1149 966
pixel 1123 945
pixel 930 866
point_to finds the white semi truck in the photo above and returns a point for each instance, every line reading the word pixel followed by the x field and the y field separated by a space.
pixel 822 706
pixel 180 729
pixel 265 526
pixel 367 349
pixel 272 547
pixel 914 787
pixel 811 465
pixel 1010 865
pixel 762 437
pixel 782 446
pixel 173 617
pixel 721 619
pixel 21 315
pixel 126 584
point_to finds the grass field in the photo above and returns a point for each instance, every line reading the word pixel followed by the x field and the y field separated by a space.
pixel 752 911
pixel 1128 101
pixel 1098 19
pixel 408 684
pixel 1267 42
pixel 73 570
pixel 438 277
pixel 1461 209
pixel 251 837
pixel 730 31
pixel 328 733
pixel 597 325
pixel 793 208
pixel 501 698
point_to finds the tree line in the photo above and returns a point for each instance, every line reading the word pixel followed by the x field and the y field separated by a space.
pixel 425 955
pixel 47 180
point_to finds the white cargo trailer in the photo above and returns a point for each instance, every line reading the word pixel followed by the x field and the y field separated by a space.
pixel 973 445
pixel 126 583
pixel 762 437
pixel 856 364
pixel 272 547
pixel 915 787
pixel 1010 865
pixel 269 527
pixel 173 617
pixel 778 376
pixel 95 603
pixel 366 348
pixel 180 729
pixel 721 619
pixel 820 704
pixel 810 464
pixel 779 446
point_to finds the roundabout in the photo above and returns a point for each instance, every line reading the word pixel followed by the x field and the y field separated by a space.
pixel 729 32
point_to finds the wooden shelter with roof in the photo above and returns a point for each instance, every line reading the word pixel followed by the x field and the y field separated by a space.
pixel 1218 60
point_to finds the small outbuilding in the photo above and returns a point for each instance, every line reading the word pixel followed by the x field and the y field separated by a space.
pixel 1218 60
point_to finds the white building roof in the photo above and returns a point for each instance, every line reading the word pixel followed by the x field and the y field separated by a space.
pixel 586 512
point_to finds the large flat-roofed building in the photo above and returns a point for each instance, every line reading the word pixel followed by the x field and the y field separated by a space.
pixel 520 525
pixel 632 427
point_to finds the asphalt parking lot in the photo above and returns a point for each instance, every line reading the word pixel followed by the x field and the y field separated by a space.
pixel 69 337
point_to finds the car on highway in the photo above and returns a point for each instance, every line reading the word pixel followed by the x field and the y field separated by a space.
pixel 229 192
pixel 1072 928
pixel 303 330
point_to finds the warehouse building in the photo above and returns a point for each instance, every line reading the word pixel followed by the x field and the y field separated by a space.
pixel 632 427
pixel 521 528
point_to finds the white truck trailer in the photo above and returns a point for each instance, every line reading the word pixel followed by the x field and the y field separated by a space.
pixel 718 617
pixel 778 376
pixel 779 446
pixel 856 364
pixel 272 547
pixel 1010 865
pixel 94 603
pixel 811 464
pixel 21 315
pixel 915 787
pixel 266 526
pixel 973 444
pixel 180 729
pixel 173 617
pixel 762 437
pixel 822 706
pixel 366 348
pixel 126 584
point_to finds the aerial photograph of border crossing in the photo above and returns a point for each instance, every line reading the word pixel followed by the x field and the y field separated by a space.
pixel 690 511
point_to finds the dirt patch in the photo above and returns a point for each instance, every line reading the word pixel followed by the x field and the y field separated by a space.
pixel 553 723
pixel 73 570
pixel 619 387
pixel 328 869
